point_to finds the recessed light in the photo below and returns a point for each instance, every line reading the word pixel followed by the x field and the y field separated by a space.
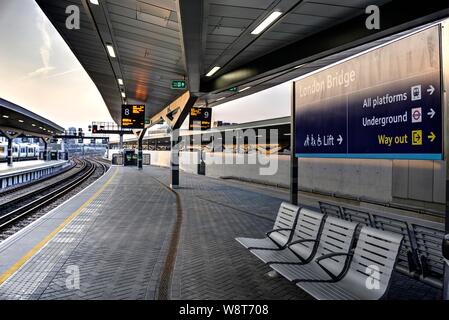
pixel 123 95
pixel 21 121
pixel 213 71
pixel 244 89
pixel 120 81
pixel 33 124
pixel 111 50
pixel 267 22
pixel 94 2
pixel 5 116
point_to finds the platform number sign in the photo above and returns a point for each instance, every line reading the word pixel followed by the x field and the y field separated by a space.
pixel 133 116
pixel 200 118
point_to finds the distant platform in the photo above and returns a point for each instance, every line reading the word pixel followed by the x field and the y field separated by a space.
pixel 27 165
pixel 24 172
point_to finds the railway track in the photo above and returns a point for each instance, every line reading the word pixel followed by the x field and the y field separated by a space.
pixel 26 204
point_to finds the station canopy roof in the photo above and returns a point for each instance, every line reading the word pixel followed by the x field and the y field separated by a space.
pixel 16 119
pixel 157 41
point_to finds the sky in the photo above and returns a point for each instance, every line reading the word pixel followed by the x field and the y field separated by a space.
pixel 39 72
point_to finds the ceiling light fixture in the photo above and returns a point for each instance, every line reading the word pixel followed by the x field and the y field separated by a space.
pixel 299 66
pixel 213 71
pixel 123 95
pixel 94 2
pixel 120 81
pixel 222 98
pixel 111 50
pixel 5 116
pixel 21 121
pixel 267 22
pixel 244 89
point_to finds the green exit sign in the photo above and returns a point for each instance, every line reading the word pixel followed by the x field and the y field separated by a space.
pixel 233 89
pixel 178 84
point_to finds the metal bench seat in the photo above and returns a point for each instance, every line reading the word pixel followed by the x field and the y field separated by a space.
pixel 281 234
pixel 303 243
pixel 337 236
pixel 428 247
pixel 330 209
pixel 369 274
pixel 407 259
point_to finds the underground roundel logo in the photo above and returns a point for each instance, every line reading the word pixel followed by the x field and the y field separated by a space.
pixel 416 115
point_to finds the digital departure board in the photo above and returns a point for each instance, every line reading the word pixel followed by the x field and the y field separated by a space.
pixel 200 118
pixel 133 116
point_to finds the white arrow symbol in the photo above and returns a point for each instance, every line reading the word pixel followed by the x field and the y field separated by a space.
pixel 340 139
pixel 431 113
pixel 431 89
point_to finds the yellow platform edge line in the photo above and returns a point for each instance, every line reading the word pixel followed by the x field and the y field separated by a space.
pixel 50 236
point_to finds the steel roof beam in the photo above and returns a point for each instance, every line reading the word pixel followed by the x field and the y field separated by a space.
pixel 190 16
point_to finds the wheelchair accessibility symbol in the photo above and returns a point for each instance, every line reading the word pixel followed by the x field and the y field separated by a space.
pixel 417 137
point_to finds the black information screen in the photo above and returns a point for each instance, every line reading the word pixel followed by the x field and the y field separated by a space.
pixel 133 116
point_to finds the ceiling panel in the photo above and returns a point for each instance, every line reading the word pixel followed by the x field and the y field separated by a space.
pixel 300 19
pixel 146 37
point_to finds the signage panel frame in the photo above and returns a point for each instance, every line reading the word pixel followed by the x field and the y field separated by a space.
pixel 440 147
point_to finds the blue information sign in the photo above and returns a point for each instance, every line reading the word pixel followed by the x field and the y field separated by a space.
pixel 385 104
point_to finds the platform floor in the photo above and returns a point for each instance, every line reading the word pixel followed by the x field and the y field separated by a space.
pixel 116 236
pixel 25 165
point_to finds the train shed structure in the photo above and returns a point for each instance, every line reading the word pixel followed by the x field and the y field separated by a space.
pixel 141 234
pixel 16 121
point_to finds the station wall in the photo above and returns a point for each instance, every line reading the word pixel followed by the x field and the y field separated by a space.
pixel 379 180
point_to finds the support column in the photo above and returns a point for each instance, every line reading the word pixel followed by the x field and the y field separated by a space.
pixel 10 136
pixel 45 157
pixel 140 149
pixel 293 159
pixel 174 159
pixel 10 157
pixel 120 144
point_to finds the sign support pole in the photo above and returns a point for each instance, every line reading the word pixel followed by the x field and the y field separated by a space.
pixel 121 141
pixel 444 62
pixel 174 159
pixel 293 159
